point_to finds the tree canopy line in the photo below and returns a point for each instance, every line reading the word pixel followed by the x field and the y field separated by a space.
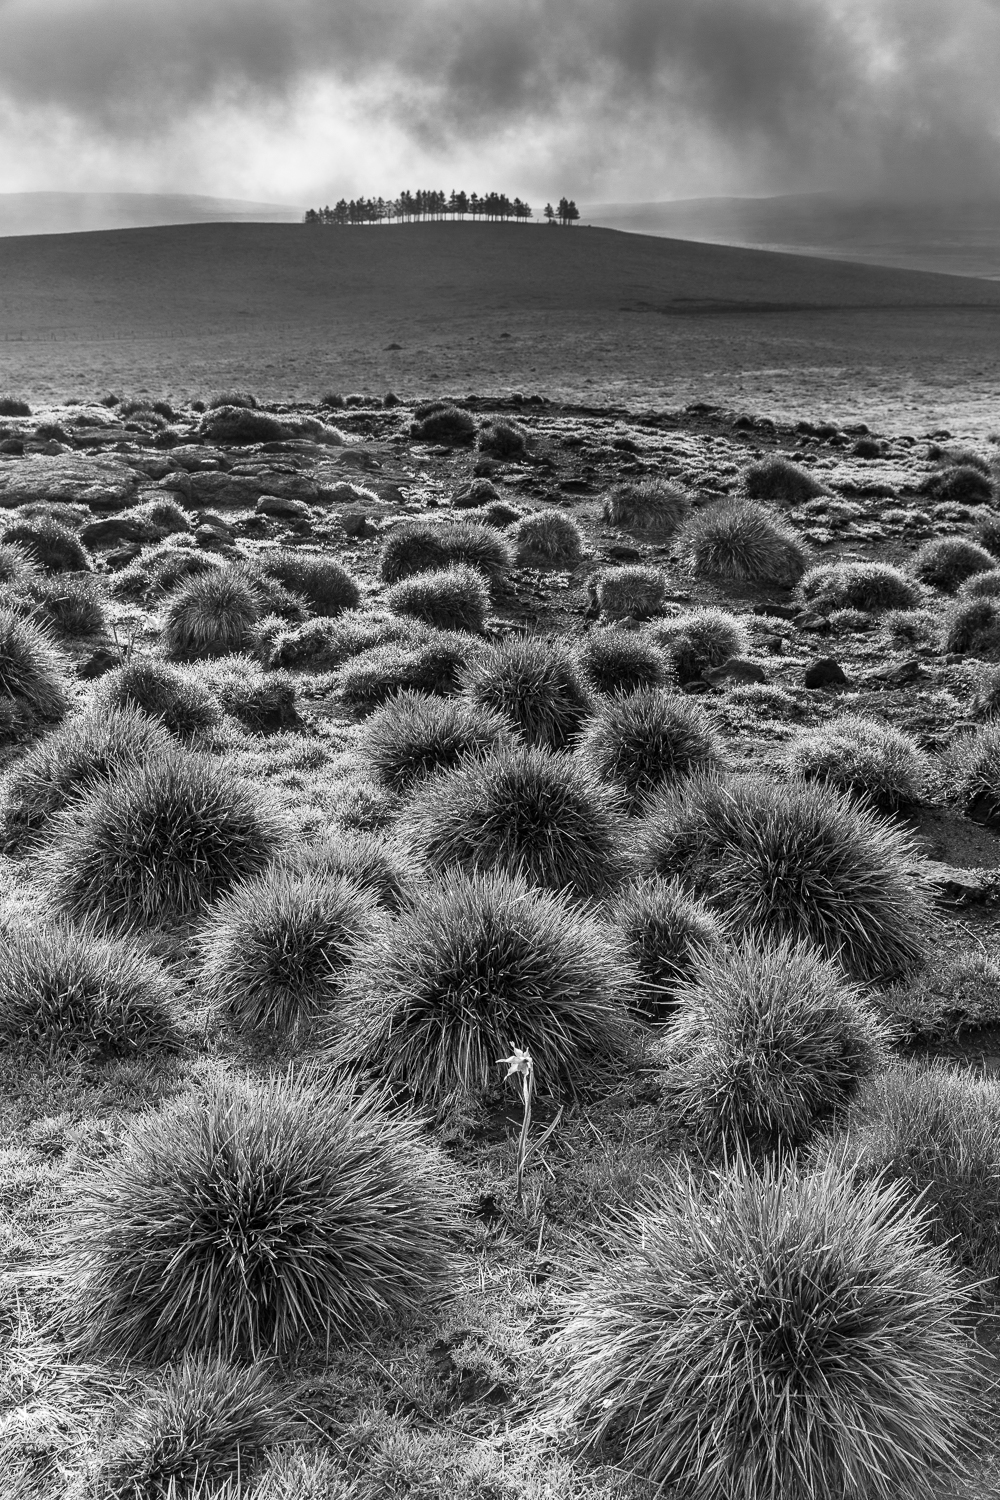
pixel 423 204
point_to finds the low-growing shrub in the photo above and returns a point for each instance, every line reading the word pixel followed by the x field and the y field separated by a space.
pixel 700 640
pixel 548 539
pixel 960 484
pixel 436 665
pixel 869 586
pixel 34 678
pixel 620 661
pixel 479 965
pixel 772 1334
pixel 799 861
pixel 504 440
pixel 415 734
pixel 768 1040
pixel 241 424
pixel 972 627
pixel 182 704
pixel 865 756
pixel 444 424
pixel 521 810
pixel 630 590
pixel 160 843
pixel 454 598
pixel 647 740
pixel 274 949
pixel 667 935
pixel 947 561
pixel 740 541
pixel 652 507
pixel 322 581
pixel 49 545
pixel 255 1219
pixel 535 684
pixel 779 482
pixel 209 615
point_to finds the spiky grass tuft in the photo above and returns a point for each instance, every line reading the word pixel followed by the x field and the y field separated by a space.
pixel 275 948
pixel 768 1041
pixel 209 615
pixel 667 934
pixel 700 640
pixel 379 868
pixel 435 665
pixel 869 586
pixel 72 604
pixel 631 590
pixel 415 734
pixel 503 440
pixel 864 756
pixel 960 484
pixel 974 773
pixel 16 566
pixel 160 570
pixel 478 965
pixel 946 561
pixel 521 810
pixel 323 644
pixel 428 546
pixel 772 1335
pixel 798 861
pixel 160 843
pixel 240 424
pixel 651 507
pixel 256 1219
pixel 647 740
pixel 548 539
pixel 778 481
pixel 972 627
pixel 34 678
pixel 454 598
pixel 739 541
pixel 181 703
pixel 444 424
pixel 533 682
pixel 619 661
pixel 327 587
pixel 50 546
pixel 263 702
pixel 981 585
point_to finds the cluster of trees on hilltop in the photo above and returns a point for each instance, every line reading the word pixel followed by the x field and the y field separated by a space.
pixel 425 204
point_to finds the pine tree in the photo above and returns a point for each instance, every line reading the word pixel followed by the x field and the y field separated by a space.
pixel 550 213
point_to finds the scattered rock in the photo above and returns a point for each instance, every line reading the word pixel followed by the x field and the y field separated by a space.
pixel 736 670
pixel 824 672
pixel 101 661
pixel 958 887
pixel 908 671
pixel 99 483
pixel 777 611
pixel 114 529
pixel 623 554
pixel 281 505
pixel 806 620
pixel 122 556
pixel 357 524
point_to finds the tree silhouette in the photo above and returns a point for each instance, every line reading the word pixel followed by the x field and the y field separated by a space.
pixel 550 213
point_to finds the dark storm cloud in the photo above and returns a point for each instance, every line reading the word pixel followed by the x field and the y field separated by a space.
pixel 891 90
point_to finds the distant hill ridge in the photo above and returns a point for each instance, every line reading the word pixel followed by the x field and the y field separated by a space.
pixel 68 213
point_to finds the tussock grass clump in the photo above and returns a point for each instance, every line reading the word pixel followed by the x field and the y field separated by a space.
pixel 646 740
pixel 34 678
pixel 209 615
pixel 16 566
pixel 768 1040
pixel 181 703
pixel 536 684
pixel 480 964
pixel 258 1218
pixel 618 661
pixel 865 756
pixel 77 992
pixel 946 561
pixel 380 868
pixel 444 424
pixel 49 545
pixel 159 571
pixel 246 399
pixel 428 546
pixel 89 748
pixel 799 861
pixel 771 1335
pixel 479 492
pixel 960 484
pixel 935 1130
pixel 667 935
pixel 630 590
pixel 652 507
pixel 242 425
pixel 505 440
pixel 13 406
pixel 909 627
pixel 274 949
pixel 436 665
pixel 778 481
pixel 72 604
pixel 454 598
pixel 548 539
pixel 521 810
pixel 200 1423
pixel 163 516
pixel 325 644
pixel 415 734
pixel 988 532
pixel 868 586
pixel 972 627
pixel 981 585
pixel 326 586
pixel 740 541
pixel 986 699
pixel 263 702
pixel 700 640
pixel 160 843
pixel 974 773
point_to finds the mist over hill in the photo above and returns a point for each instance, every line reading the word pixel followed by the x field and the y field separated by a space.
pixel 67 213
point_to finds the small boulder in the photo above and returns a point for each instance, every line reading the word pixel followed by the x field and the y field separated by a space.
pixel 734 671
pixel 281 505
pixel 824 672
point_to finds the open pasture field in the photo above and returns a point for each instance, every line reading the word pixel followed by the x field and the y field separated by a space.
pixel 588 315
pixel 499 984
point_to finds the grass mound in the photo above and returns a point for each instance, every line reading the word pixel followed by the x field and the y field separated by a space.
pixel 415 734
pixel 767 1336
pixel 667 936
pixel 454 598
pixel 437 665
pixel 245 399
pixel 159 571
pixel 480 492
pixel 444 424
pixel 75 992
pixel 381 869
pixel 198 1424
pixel 210 614
pixel 535 684
pixel 324 644
pixel 519 810
pixel 868 586
pixel 700 640
pixel 13 406
pixel 160 843
pixel 548 539
pixel 89 748
pixel 864 756
pixel 34 680
pixel 181 703
pixel 797 861
pixel 326 586
pixel 960 484
pixel 241 425
pixel 428 546
pixel 16 566
pixel 778 481
pixel 981 585
pixel 646 740
pixel 479 965
pixel 503 440
pixel 49 545
pixel 263 702
pixel 768 1040
pixel 73 604
pixel 618 661
pixel 975 774
pixel 630 590
pixel 947 561
pixel 934 1130
pixel 739 541
pixel 274 949
pixel 258 1218
pixel 650 507
pixel 972 626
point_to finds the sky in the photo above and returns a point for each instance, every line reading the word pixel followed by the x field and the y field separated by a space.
pixel 305 101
